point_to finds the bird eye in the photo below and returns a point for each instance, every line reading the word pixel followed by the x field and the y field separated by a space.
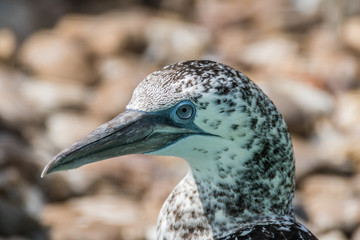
pixel 184 110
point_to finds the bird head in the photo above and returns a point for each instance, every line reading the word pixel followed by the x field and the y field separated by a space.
pixel 205 112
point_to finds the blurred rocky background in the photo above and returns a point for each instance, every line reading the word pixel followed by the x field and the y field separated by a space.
pixel 67 66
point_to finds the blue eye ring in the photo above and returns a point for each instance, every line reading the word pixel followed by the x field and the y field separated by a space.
pixel 183 111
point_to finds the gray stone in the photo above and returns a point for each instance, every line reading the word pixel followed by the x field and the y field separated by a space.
pixel 59 58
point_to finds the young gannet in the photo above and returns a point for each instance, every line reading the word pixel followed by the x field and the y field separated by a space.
pixel 241 179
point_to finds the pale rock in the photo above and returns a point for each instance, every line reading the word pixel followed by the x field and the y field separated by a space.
pixel 307 156
pixel 273 52
pixel 231 43
pixel 330 12
pixel 339 69
pixel 94 217
pixel 307 7
pixel 64 128
pixel 7 44
pixel 333 235
pixel 332 145
pixel 351 32
pixel 156 196
pixel 331 202
pixel 300 103
pixel 76 183
pixel 34 199
pixel 106 34
pixel 334 67
pixel 132 174
pixel 171 40
pixel 42 147
pixel 216 14
pixel 119 77
pixel 14 109
pixel 46 95
pixel 106 208
pixel 55 57
pixel 320 38
pixel 170 171
pixel 347 112
pixel 347 118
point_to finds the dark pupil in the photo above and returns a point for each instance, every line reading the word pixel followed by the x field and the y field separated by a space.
pixel 184 112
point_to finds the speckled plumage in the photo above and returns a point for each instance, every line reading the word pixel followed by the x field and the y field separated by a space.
pixel 241 182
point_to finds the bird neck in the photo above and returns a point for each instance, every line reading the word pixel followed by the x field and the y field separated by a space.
pixel 236 185
pixel 211 211
pixel 231 183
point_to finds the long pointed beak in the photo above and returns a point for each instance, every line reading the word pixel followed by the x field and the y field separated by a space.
pixel 129 133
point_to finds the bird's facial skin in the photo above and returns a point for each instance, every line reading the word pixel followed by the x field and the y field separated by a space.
pixel 130 132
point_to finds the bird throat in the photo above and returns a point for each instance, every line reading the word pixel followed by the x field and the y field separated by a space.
pixel 216 197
